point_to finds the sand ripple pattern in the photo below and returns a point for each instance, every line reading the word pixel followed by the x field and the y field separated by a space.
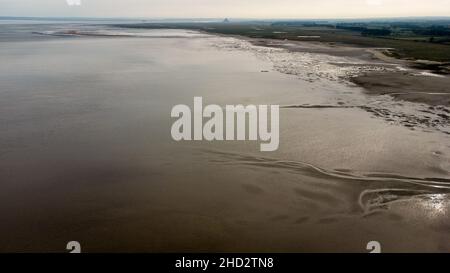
pixel 379 190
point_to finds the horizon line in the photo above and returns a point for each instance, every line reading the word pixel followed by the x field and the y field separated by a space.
pixel 221 18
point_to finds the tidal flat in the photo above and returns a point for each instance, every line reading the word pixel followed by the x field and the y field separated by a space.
pixel 86 152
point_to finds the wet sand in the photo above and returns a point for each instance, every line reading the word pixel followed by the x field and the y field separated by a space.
pixel 413 82
pixel 432 90
pixel 86 152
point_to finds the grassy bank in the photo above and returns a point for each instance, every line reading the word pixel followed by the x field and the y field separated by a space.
pixel 402 48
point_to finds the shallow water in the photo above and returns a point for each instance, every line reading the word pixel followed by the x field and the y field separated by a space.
pixel 86 152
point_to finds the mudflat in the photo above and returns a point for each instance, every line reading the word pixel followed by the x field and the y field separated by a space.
pixel 86 152
pixel 402 79
pixel 430 89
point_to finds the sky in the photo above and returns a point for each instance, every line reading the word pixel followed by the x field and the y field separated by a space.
pixel 226 8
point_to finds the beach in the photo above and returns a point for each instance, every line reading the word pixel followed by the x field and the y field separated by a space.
pixel 86 152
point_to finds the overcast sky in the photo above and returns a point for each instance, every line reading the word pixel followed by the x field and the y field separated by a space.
pixel 227 8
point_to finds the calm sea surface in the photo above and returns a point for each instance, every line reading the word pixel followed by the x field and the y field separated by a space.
pixel 86 152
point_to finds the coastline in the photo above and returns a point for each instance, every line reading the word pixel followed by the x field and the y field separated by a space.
pixel 410 81
pixel 417 81
pixel 93 139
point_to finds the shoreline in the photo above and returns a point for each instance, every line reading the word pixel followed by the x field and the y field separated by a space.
pixel 415 82
pixel 410 83
pixel 398 94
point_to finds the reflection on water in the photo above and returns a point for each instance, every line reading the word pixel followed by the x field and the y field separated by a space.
pixel 370 200
pixel 437 204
